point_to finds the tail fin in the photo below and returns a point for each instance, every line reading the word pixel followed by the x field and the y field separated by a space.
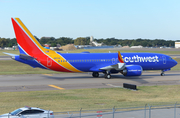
pixel 120 57
pixel 27 43
pixel 30 48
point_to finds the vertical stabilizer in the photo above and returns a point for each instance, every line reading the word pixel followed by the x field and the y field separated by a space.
pixel 27 43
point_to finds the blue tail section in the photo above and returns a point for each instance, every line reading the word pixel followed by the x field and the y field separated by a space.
pixel 21 51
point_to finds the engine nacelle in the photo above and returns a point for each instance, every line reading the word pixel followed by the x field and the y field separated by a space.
pixel 132 70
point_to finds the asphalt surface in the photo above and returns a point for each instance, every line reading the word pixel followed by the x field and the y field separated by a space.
pixel 40 82
pixel 5 58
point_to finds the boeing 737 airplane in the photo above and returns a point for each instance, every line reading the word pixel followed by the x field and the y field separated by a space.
pixel 128 64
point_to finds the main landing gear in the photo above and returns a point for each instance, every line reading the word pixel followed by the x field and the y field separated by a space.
pixel 107 75
pixel 95 74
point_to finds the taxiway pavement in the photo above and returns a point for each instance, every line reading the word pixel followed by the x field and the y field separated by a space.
pixel 40 82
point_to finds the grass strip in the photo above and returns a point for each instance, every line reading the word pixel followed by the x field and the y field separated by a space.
pixel 90 99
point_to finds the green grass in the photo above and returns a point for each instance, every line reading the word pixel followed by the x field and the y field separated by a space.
pixel 89 99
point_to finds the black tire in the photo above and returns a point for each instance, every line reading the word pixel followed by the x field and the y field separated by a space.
pixel 107 76
pixel 95 74
pixel 162 74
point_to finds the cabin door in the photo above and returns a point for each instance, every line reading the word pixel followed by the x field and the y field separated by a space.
pixel 164 60
pixel 49 62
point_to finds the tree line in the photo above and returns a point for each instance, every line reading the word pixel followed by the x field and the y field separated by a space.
pixel 7 42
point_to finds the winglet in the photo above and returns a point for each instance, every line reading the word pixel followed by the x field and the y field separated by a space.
pixel 120 57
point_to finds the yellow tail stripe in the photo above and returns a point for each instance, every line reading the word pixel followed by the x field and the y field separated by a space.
pixel 119 54
pixel 28 32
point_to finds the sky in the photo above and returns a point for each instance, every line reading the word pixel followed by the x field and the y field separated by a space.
pixel 121 19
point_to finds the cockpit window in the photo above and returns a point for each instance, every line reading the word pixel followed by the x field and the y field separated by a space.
pixel 170 58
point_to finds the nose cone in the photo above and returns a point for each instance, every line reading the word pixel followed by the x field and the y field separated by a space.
pixel 174 62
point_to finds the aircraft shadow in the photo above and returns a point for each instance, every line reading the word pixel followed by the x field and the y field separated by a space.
pixel 138 79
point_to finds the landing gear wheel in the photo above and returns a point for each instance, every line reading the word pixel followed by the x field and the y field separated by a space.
pixel 162 74
pixel 107 76
pixel 95 74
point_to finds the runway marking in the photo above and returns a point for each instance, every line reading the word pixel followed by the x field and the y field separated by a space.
pixel 114 86
pixel 47 74
pixel 57 87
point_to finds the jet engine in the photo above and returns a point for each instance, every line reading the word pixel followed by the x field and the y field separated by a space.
pixel 132 70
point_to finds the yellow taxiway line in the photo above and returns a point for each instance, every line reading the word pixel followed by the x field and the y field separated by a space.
pixel 47 74
pixel 57 87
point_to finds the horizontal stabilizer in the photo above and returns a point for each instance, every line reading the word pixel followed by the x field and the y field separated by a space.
pixel 10 54
pixel 23 56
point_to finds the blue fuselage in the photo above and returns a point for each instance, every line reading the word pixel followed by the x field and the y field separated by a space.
pixel 92 62
pixel 148 61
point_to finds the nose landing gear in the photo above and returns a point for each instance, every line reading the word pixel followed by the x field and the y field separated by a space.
pixel 162 73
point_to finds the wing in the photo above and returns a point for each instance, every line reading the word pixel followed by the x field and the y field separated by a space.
pixel 119 66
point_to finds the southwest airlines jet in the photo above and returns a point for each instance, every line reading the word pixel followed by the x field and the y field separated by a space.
pixel 128 64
